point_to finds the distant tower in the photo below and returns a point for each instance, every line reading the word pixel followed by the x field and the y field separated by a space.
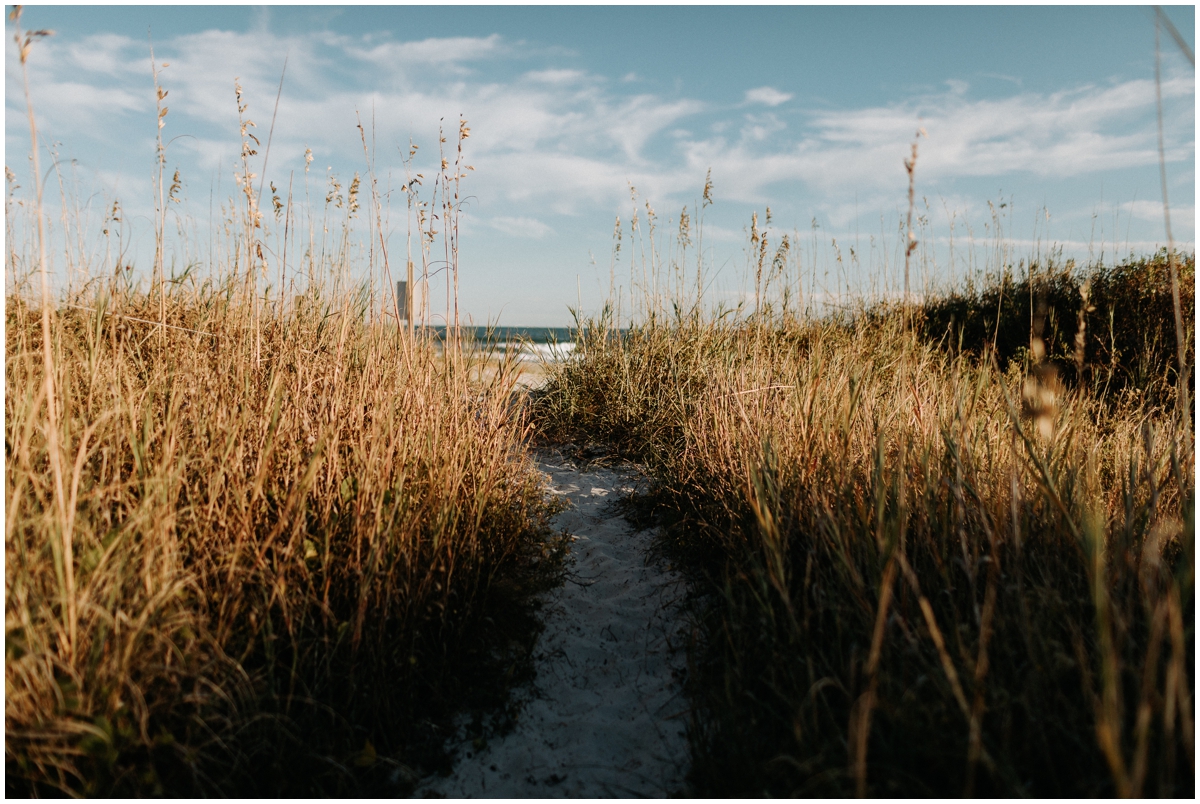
pixel 410 299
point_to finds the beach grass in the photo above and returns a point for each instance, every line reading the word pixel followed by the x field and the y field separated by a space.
pixel 930 560
pixel 262 539
pixel 259 539
pixel 289 544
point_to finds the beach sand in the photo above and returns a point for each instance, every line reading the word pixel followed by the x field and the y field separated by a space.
pixel 605 715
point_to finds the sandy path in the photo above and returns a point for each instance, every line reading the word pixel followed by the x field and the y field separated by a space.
pixel 605 715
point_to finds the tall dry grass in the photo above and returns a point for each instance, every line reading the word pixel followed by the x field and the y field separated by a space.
pixel 316 532
pixel 1108 328
pixel 257 542
pixel 921 573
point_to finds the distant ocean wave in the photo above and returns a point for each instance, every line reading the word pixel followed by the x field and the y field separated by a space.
pixel 500 334
pixel 530 352
pixel 532 344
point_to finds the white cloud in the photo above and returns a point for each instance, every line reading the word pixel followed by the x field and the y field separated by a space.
pixel 558 77
pixel 70 102
pixel 957 86
pixel 441 50
pixel 768 96
pixel 1152 211
pixel 102 53
pixel 520 227
pixel 759 127
pixel 551 138
pixel 1002 77
pixel 1065 134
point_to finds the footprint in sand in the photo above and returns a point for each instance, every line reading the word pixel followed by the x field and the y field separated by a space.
pixel 605 715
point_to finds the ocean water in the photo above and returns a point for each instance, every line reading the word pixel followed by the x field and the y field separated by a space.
pixel 532 344
pixel 529 352
pixel 500 334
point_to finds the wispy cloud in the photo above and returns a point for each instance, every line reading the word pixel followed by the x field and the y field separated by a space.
pixel 768 96
pixel 1152 211
pixel 520 227
pixel 564 139
pixel 558 77
pixel 433 51
pixel 1061 135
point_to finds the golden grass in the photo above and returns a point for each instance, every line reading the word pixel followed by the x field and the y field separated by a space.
pixel 311 524
pixel 256 542
pixel 925 575
pixel 257 548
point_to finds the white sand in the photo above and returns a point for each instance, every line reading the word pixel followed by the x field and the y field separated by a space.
pixel 606 715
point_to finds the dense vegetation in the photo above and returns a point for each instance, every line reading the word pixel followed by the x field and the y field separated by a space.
pixel 265 542
pixel 929 566
pixel 1110 327
pixel 265 559
pixel 259 539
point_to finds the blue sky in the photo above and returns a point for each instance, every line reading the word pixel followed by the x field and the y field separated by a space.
pixel 808 110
